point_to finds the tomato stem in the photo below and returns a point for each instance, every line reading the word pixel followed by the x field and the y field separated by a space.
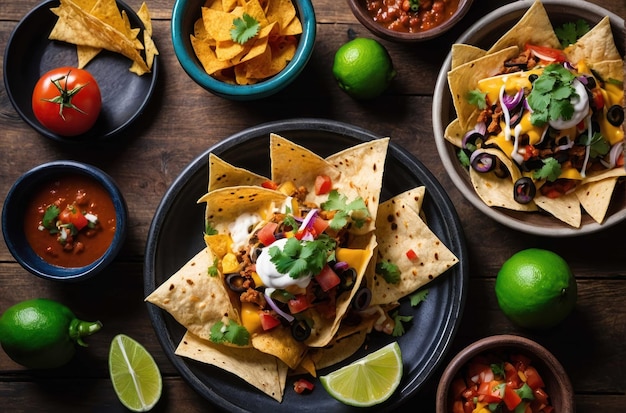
pixel 79 329
pixel 64 100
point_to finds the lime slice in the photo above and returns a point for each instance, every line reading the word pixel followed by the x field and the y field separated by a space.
pixel 369 380
pixel 134 373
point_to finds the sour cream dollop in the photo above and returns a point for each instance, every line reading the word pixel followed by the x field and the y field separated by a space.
pixel 581 108
pixel 270 276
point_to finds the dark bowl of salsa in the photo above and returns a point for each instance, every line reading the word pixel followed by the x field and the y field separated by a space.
pixel 409 20
pixel 505 373
pixel 64 220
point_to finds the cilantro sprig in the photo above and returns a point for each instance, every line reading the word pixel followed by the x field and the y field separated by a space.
pixel 398 325
pixel 50 217
pixel 570 32
pixel 598 145
pixel 355 210
pixel 229 332
pixel 300 258
pixel 389 271
pixel 551 96
pixel 550 170
pixel 477 98
pixel 245 28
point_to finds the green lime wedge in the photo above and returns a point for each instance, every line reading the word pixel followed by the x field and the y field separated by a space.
pixel 134 373
pixel 368 381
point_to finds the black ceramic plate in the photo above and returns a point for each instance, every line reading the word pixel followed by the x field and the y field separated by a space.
pixel 29 54
pixel 176 235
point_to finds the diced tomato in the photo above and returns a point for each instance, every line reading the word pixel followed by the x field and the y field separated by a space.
pixel 557 188
pixel 533 379
pixel 410 254
pixel 302 385
pixel 457 407
pixel 547 54
pixel 530 151
pixel 457 387
pixel 511 376
pixel 298 303
pixel 268 321
pixel 269 184
pixel 266 234
pixel 511 398
pixel 620 159
pixel 541 396
pixel 327 278
pixel 319 225
pixel 479 372
pixel 72 215
pixel 597 98
pixel 469 406
pixel 488 392
pixel 323 184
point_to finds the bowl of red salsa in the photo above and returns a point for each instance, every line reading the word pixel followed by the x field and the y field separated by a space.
pixel 64 220
pixel 409 20
pixel 506 374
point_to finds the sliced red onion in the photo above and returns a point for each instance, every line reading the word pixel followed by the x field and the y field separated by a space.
pixel 482 161
pixel 275 307
pixel 512 101
pixel 481 127
pixel 341 266
pixel 308 219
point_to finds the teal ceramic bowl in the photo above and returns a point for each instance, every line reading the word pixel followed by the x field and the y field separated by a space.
pixel 184 15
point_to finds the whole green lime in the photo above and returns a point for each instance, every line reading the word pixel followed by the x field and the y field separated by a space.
pixel 42 333
pixel 536 288
pixel 363 68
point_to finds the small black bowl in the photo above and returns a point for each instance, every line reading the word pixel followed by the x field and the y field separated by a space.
pixel 15 206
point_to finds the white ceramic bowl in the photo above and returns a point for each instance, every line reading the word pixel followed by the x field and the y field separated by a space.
pixel 483 34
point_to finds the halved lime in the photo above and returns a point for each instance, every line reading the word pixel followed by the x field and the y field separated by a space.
pixel 368 381
pixel 134 373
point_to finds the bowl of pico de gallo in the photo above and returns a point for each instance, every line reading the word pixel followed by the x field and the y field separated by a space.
pixel 505 373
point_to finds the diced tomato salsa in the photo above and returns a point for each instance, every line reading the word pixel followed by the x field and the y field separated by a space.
pixel 492 383
pixel 411 16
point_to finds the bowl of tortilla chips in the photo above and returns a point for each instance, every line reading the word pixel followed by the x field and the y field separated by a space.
pixel 243 50
pixel 552 170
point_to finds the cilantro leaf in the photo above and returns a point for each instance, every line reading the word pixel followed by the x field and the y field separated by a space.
pixel 463 158
pixel 229 333
pixel 477 98
pixel 550 98
pixel 50 217
pixel 209 229
pixel 598 145
pixel 570 32
pixel 389 271
pixel 356 210
pixel 418 297
pixel 398 327
pixel 213 272
pixel 246 27
pixel 550 170
pixel 302 258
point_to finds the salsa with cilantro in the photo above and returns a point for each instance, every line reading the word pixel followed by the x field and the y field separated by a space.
pixel 70 221
pixel 411 16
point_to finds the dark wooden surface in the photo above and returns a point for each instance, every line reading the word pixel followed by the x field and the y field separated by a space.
pixel 183 120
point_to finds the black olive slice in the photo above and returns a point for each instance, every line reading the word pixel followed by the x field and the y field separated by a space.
pixel 524 190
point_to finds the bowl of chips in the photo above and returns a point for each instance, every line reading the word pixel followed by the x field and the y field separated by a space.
pixel 243 52
pixel 536 184
pixel 424 20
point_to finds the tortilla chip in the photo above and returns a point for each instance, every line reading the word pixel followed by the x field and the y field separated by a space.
pixel 222 175
pixel 565 207
pixel 399 229
pixel 261 370
pixel 465 78
pixel 534 27
pixel 595 197
pixel 362 167
pixel 462 53
pixel 295 163
pixel 596 45
pixel 280 343
pixel 195 299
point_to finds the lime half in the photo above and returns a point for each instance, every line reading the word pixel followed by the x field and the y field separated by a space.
pixel 134 373
pixel 368 381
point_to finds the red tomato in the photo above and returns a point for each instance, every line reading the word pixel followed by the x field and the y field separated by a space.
pixel 67 101
pixel 298 303
pixel 319 225
pixel 266 234
pixel 511 398
pixel 533 379
pixel 410 254
pixel 72 215
pixel 547 54
pixel 269 184
pixel 268 321
pixel 327 278
pixel 302 385
pixel 323 184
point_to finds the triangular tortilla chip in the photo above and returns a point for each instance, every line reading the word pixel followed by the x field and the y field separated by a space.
pixel 222 174
pixel 462 53
pixel 596 45
pixel 194 298
pixel 263 371
pixel 399 229
pixel 595 197
pixel 565 207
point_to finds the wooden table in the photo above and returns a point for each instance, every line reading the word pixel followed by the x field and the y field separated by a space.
pixel 183 120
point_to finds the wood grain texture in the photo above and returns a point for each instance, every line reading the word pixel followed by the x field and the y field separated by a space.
pixel 182 121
